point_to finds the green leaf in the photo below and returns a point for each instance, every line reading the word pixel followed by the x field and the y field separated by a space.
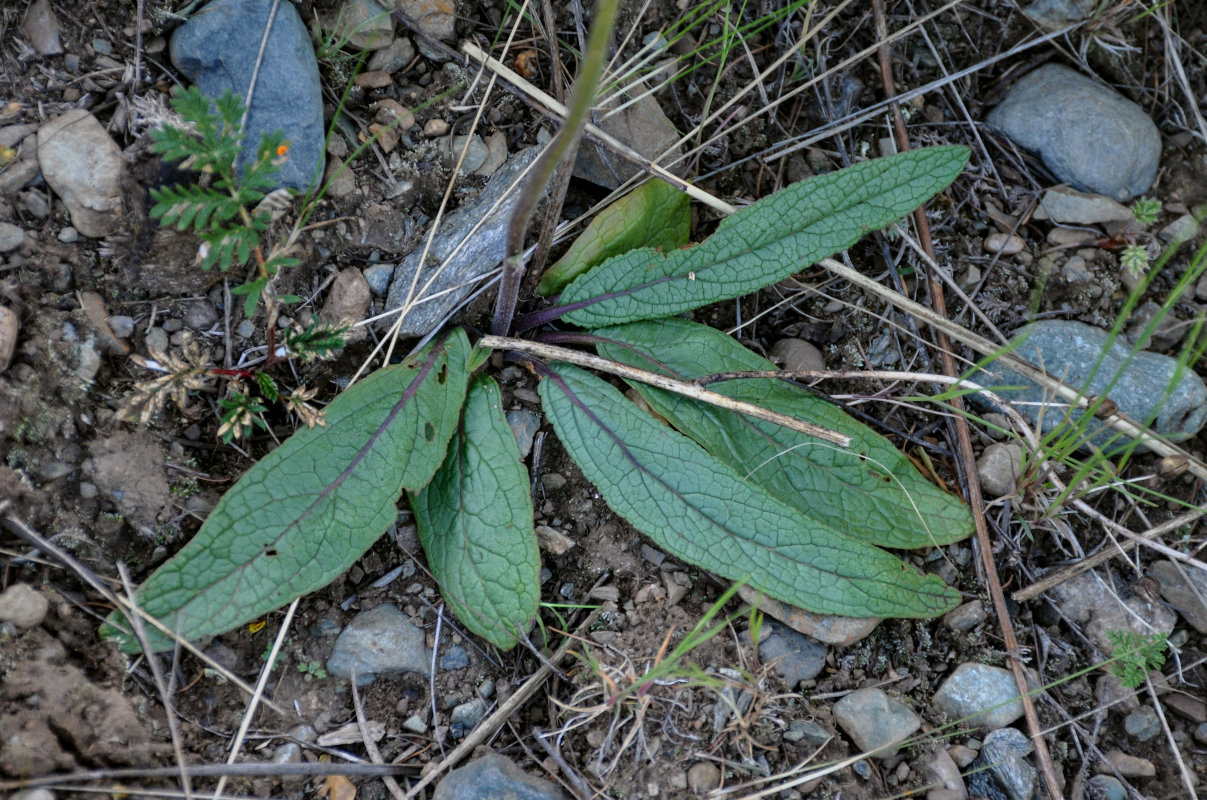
pixel 306 511
pixel 868 490
pixel 655 215
pixel 475 523
pixel 763 243
pixel 697 508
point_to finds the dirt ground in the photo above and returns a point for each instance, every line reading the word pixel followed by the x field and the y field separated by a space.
pixel 107 491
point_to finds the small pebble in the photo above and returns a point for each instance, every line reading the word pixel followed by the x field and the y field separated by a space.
pixel 157 340
pixel 1109 787
pixel 1200 733
pixel 23 606
pixel 414 724
pixel 245 329
pixel 703 776
pixel 1127 766
pixel 1004 244
pixel 1142 724
pixel 69 235
pixel 11 237
pixel 454 657
pixel 434 128
pixel 121 326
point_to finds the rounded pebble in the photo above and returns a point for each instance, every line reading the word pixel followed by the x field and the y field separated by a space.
pixel 69 235
pixel 1142 724
pixel 703 776
pixel 121 326
pixel 23 606
pixel 1004 244
pixel 1108 787
pixel 11 237
pixel 434 128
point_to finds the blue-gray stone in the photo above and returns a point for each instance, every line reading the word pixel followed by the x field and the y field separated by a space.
pixel 1058 13
pixel 1144 389
pixel 217 49
pixel 803 730
pixel 454 276
pixel 799 657
pixel 978 694
pixel 1087 134
pixel 875 721
pixel 454 657
pixel 1142 724
pixel 1002 771
pixel 466 717
pixel 379 641
pixel 524 425
pixel 492 777
pixel 378 278
pixel 1108 786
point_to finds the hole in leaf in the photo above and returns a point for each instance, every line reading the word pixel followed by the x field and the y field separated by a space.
pixel 429 432
pixel 442 375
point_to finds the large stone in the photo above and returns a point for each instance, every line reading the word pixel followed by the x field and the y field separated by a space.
pixel 217 49
pixel 643 126
pixel 453 275
pixel 381 640
pixel 978 694
pixel 1087 134
pixel 1184 588
pixel 1098 607
pixel 1145 386
pixel 493 777
pixel 875 721
pixel 84 167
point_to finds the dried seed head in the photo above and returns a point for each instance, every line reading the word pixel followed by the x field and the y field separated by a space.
pixel 1106 407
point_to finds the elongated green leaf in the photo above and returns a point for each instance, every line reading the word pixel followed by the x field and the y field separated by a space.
pixel 654 215
pixel 868 490
pixel 763 243
pixel 306 511
pixel 475 523
pixel 697 508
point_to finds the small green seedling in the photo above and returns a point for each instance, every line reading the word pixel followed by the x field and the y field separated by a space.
pixel 1133 655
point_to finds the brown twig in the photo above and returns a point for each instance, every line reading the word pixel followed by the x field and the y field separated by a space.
pixel 967 458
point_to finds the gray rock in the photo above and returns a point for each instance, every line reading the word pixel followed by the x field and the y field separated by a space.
pixel 380 640
pixel 524 425
pixel 466 717
pixel 1003 769
pixel 41 29
pixel 998 468
pixel 475 149
pixel 1066 205
pixel 393 57
pixel 703 776
pixel 812 734
pixel 797 354
pixel 11 237
pixel 943 773
pixel 200 315
pixel 874 720
pixel 34 794
pixel 121 325
pixel 643 126
pixel 10 327
pixel 1200 733
pixel 23 606
pixel 1108 787
pixel 287 94
pixel 1127 765
pixel 1058 13
pixel 434 18
pixel 1142 724
pixel 1087 134
pixel 1182 595
pixel 828 628
pixel 455 657
pixel 1073 351
pixel 483 251
pixel 157 340
pixel 348 303
pixel 84 167
pixel 378 278
pixel 364 23
pixel 1089 601
pixel 799 657
pixel 966 617
pixel 978 694
pixel 492 777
